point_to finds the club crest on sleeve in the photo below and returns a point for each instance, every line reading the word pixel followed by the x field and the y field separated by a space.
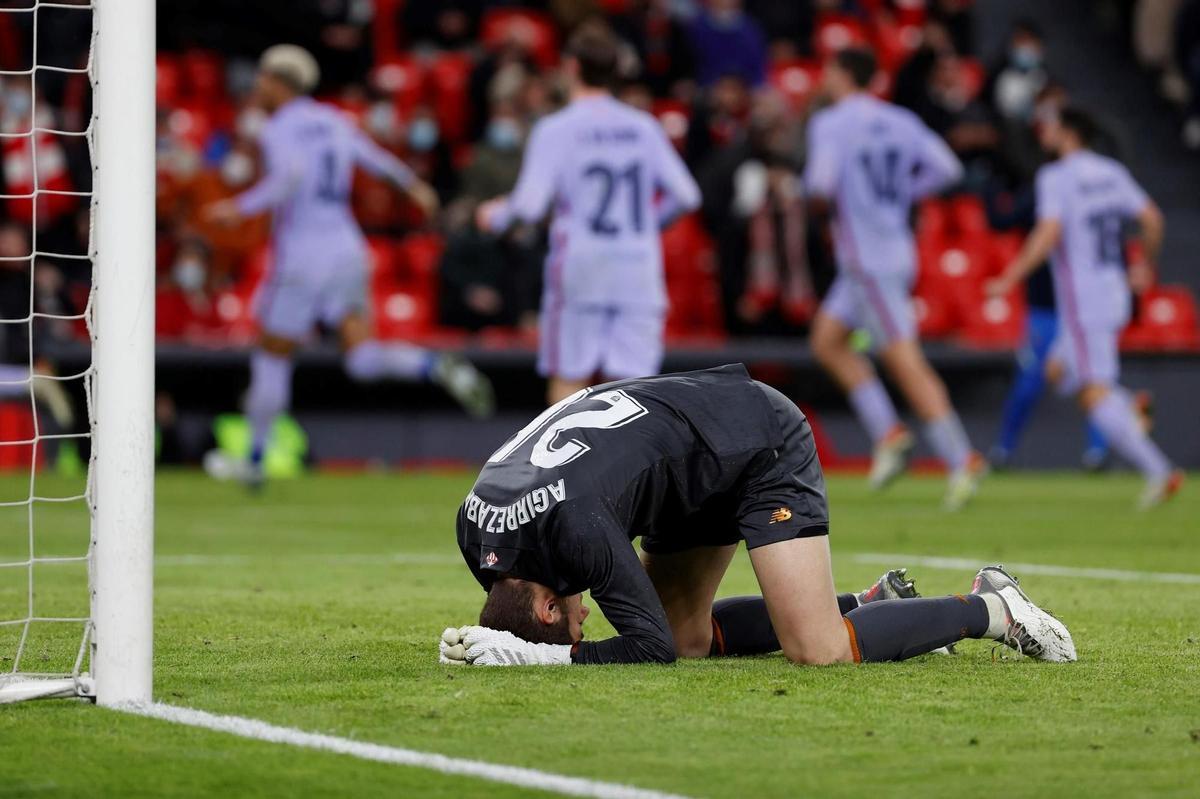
pixel 491 559
pixel 780 515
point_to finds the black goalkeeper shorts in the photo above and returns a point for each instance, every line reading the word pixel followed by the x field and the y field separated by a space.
pixel 781 496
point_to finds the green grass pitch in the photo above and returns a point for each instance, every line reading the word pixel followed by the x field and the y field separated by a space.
pixel 318 605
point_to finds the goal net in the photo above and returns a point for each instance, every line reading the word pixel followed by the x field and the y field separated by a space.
pixel 76 348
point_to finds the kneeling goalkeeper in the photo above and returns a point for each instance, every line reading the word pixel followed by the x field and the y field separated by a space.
pixel 694 463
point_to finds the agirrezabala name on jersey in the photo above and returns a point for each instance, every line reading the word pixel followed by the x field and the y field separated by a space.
pixel 497 519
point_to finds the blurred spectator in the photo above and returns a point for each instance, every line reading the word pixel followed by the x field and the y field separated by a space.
pixel 727 41
pixel 754 207
pixel 666 63
pixel 719 118
pixel 1013 85
pixel 229 245
pixel 185 306
pixel 1153 23
pixel 915 77
pixel 428 154
pixel 955 17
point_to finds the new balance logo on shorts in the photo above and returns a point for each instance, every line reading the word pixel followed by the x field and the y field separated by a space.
pixel 781 515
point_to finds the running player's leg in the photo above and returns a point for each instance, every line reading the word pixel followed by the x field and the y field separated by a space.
pixel 853 372
pixel 286 308
pixel 570 346
pixel 1087 364
pixel 368 360
pixel 888 316
pixel 686 583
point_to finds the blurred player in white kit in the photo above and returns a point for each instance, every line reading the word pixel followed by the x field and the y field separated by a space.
pixel 614 180
pixel 871 160
pixel 1084 202
pixel 319 272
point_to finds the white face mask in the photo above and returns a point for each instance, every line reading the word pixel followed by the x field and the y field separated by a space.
pixel 189 273
pixel 250 123
pixel 237 169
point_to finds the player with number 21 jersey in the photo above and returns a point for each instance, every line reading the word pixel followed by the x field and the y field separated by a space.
pixel 612 179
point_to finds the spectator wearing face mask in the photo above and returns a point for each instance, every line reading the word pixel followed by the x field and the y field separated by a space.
pixel 482 276
pixel 727 41
pixel 1013 86
pixel 428 154
pixel 185 307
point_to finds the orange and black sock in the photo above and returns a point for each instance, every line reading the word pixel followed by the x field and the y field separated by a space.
pixel 900 629
pixel 741 625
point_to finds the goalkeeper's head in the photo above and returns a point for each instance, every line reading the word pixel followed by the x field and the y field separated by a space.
pixel 285 71
pixel 533 612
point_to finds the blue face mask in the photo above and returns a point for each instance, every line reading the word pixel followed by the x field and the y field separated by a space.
pixel 503 134
pixel 1025 58
pixel 423 135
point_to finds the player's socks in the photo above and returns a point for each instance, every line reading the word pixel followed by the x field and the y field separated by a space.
pixel 874 409
pixel 374 360
pixel 1118 421
pixel 949 440
pixel 269 395
pixel 901 629
pixel 742 626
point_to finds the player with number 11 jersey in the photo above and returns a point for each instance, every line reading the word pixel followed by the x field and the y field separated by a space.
pixel 613 180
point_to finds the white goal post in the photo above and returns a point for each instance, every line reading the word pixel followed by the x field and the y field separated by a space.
pixel 114 664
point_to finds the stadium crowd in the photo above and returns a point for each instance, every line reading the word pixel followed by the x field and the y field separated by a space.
pixel 453 88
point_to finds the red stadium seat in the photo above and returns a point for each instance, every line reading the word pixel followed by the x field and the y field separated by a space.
pixel 894 42
pixel 533 29
pixel 168 80
pixel 968 216
pixel 420 256
pixel 382 263
pixel 386 32
pixel 16 424
pixel 1167 319
pixel 404 314
pixel 909 12
pixel 203 74
pixel 996 321
pixel 1002 250
pixel 449 86
pixel 403 79
pixel 933 219
pixel 837 32
pixel 797 79
pixel 935 316
pixel 195 121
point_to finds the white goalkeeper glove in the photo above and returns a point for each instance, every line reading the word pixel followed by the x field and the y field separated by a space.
pixel 451 651
pixel 482 646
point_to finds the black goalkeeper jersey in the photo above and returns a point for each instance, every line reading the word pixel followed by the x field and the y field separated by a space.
pixel 678 459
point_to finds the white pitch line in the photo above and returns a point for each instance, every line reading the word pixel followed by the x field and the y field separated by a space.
pixel 1046 570
pixel 512 775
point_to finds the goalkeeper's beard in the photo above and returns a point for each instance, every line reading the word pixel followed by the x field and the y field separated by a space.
pixel 559 632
